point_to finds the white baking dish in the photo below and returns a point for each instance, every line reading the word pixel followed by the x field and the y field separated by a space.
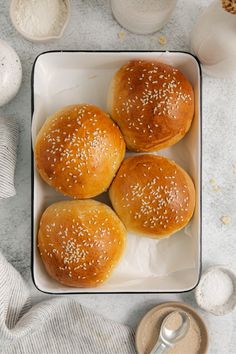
pixel 170 265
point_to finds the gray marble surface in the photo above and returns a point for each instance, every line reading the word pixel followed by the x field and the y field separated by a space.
pixel 93 27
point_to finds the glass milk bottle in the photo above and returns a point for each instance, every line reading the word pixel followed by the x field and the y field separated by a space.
pixel 142 16
pixel 214 39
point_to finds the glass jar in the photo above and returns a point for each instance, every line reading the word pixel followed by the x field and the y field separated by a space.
pixel 213 40
pixel 142 16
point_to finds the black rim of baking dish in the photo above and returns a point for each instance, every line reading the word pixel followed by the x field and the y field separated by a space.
pixel 32 175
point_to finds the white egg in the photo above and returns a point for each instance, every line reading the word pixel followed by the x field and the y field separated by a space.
pixel 10 73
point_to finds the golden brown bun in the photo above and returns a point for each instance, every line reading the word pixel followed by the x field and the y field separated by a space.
pixel 80 242
pixel 152 195
pixel 78 151
pixel 153 104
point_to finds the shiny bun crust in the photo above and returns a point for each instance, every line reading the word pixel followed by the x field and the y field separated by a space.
pixel 78 151
pixel 153 196
pixel 153 104
pixel 80 242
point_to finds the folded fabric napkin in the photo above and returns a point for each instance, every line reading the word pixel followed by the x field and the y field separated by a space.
pixel 8 153
pixel 59 325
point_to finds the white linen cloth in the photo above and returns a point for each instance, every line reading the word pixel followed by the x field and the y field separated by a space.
pixel 8 154
pixel 56 326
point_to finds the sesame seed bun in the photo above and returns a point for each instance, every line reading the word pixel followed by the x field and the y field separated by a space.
pixel 153 104
pixel 78 151
pixel 80 242
pixel 153 196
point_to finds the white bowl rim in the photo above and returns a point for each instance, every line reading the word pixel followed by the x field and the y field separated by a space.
pixel 216 310
pixel 40 39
